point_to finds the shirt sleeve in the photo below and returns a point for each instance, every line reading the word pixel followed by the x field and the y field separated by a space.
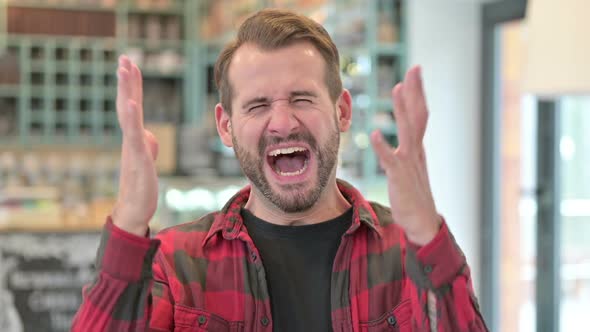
pixel 126 291
pixel 438 282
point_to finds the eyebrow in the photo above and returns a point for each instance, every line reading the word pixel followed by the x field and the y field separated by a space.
pixel 303 93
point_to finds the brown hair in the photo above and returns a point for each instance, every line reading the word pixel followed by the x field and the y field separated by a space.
pixel 272 29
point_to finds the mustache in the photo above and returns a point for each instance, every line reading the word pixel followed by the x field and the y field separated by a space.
pixel 302 136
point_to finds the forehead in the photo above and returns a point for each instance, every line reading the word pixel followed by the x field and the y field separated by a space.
pixel 268 72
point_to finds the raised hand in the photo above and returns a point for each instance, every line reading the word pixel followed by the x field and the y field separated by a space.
pixel 138 183
pixel 410 196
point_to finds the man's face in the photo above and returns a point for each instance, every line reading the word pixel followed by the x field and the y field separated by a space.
pixel 284 126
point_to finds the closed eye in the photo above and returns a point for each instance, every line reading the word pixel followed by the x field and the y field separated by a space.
pixel 256 107
pixel 302 101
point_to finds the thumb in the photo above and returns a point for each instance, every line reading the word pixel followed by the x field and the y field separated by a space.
pixel 152 143
pixel 382 149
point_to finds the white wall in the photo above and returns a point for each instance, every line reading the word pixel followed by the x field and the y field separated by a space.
pixel 444 38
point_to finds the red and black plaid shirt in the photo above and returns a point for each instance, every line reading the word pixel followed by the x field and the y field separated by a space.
pixel 207 276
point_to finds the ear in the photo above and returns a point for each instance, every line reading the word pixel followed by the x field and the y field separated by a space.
pixel 223 122
pixel 344 109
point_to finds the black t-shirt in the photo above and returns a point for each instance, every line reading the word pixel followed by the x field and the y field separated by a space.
pixel 298 262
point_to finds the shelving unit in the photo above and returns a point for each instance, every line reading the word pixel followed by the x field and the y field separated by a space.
pixel 65 86
pixel 66 90
pixel 58 81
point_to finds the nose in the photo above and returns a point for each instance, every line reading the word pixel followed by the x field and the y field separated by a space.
pixel 282 120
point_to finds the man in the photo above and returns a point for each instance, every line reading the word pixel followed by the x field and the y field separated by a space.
pixel 298 250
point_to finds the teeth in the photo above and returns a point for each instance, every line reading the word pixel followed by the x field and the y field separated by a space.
pixel 277 152
pixel 293 173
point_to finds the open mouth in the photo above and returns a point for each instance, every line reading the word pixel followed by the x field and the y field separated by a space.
pixel 289 161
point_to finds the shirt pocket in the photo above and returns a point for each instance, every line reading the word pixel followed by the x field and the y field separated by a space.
pixel 187 319
pixel 397 319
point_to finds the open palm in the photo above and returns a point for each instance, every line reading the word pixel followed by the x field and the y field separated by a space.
pixel 410 196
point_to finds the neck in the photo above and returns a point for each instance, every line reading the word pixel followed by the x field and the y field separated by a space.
pixel 330 205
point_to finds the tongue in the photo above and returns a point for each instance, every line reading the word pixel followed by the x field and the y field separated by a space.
pixel 290 163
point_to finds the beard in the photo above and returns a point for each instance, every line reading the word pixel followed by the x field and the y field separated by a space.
pixel 291 198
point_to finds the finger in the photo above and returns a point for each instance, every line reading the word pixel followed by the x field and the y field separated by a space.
pixel 414 91
pixel 124 76
pixel 404 129
pixel 125 62
pixel 384 152
pixel 123 93
pixel 124 82
pixel 415 102
pixel 125 71
pixel 137 83
pixel 152 143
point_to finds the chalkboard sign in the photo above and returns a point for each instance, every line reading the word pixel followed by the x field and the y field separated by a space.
pixel 41 279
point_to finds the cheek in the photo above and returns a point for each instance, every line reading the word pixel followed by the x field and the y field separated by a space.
pixel 248 134
pixel 321 125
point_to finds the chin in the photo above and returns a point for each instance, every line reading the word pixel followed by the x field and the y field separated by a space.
pixel 294 197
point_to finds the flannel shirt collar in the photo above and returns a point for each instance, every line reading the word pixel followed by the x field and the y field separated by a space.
pixel 229 220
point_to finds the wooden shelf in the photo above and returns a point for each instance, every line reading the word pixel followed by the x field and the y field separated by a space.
pixel 57 228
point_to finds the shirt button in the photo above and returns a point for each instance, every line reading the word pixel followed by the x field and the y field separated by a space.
pixel 391 320
pixel 264 321
pixel 427 268
pixel 202 319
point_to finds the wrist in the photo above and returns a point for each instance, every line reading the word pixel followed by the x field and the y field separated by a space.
pixel 128 223
pixel 424 231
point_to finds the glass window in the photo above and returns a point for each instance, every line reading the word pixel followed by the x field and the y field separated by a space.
pixel 575 211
